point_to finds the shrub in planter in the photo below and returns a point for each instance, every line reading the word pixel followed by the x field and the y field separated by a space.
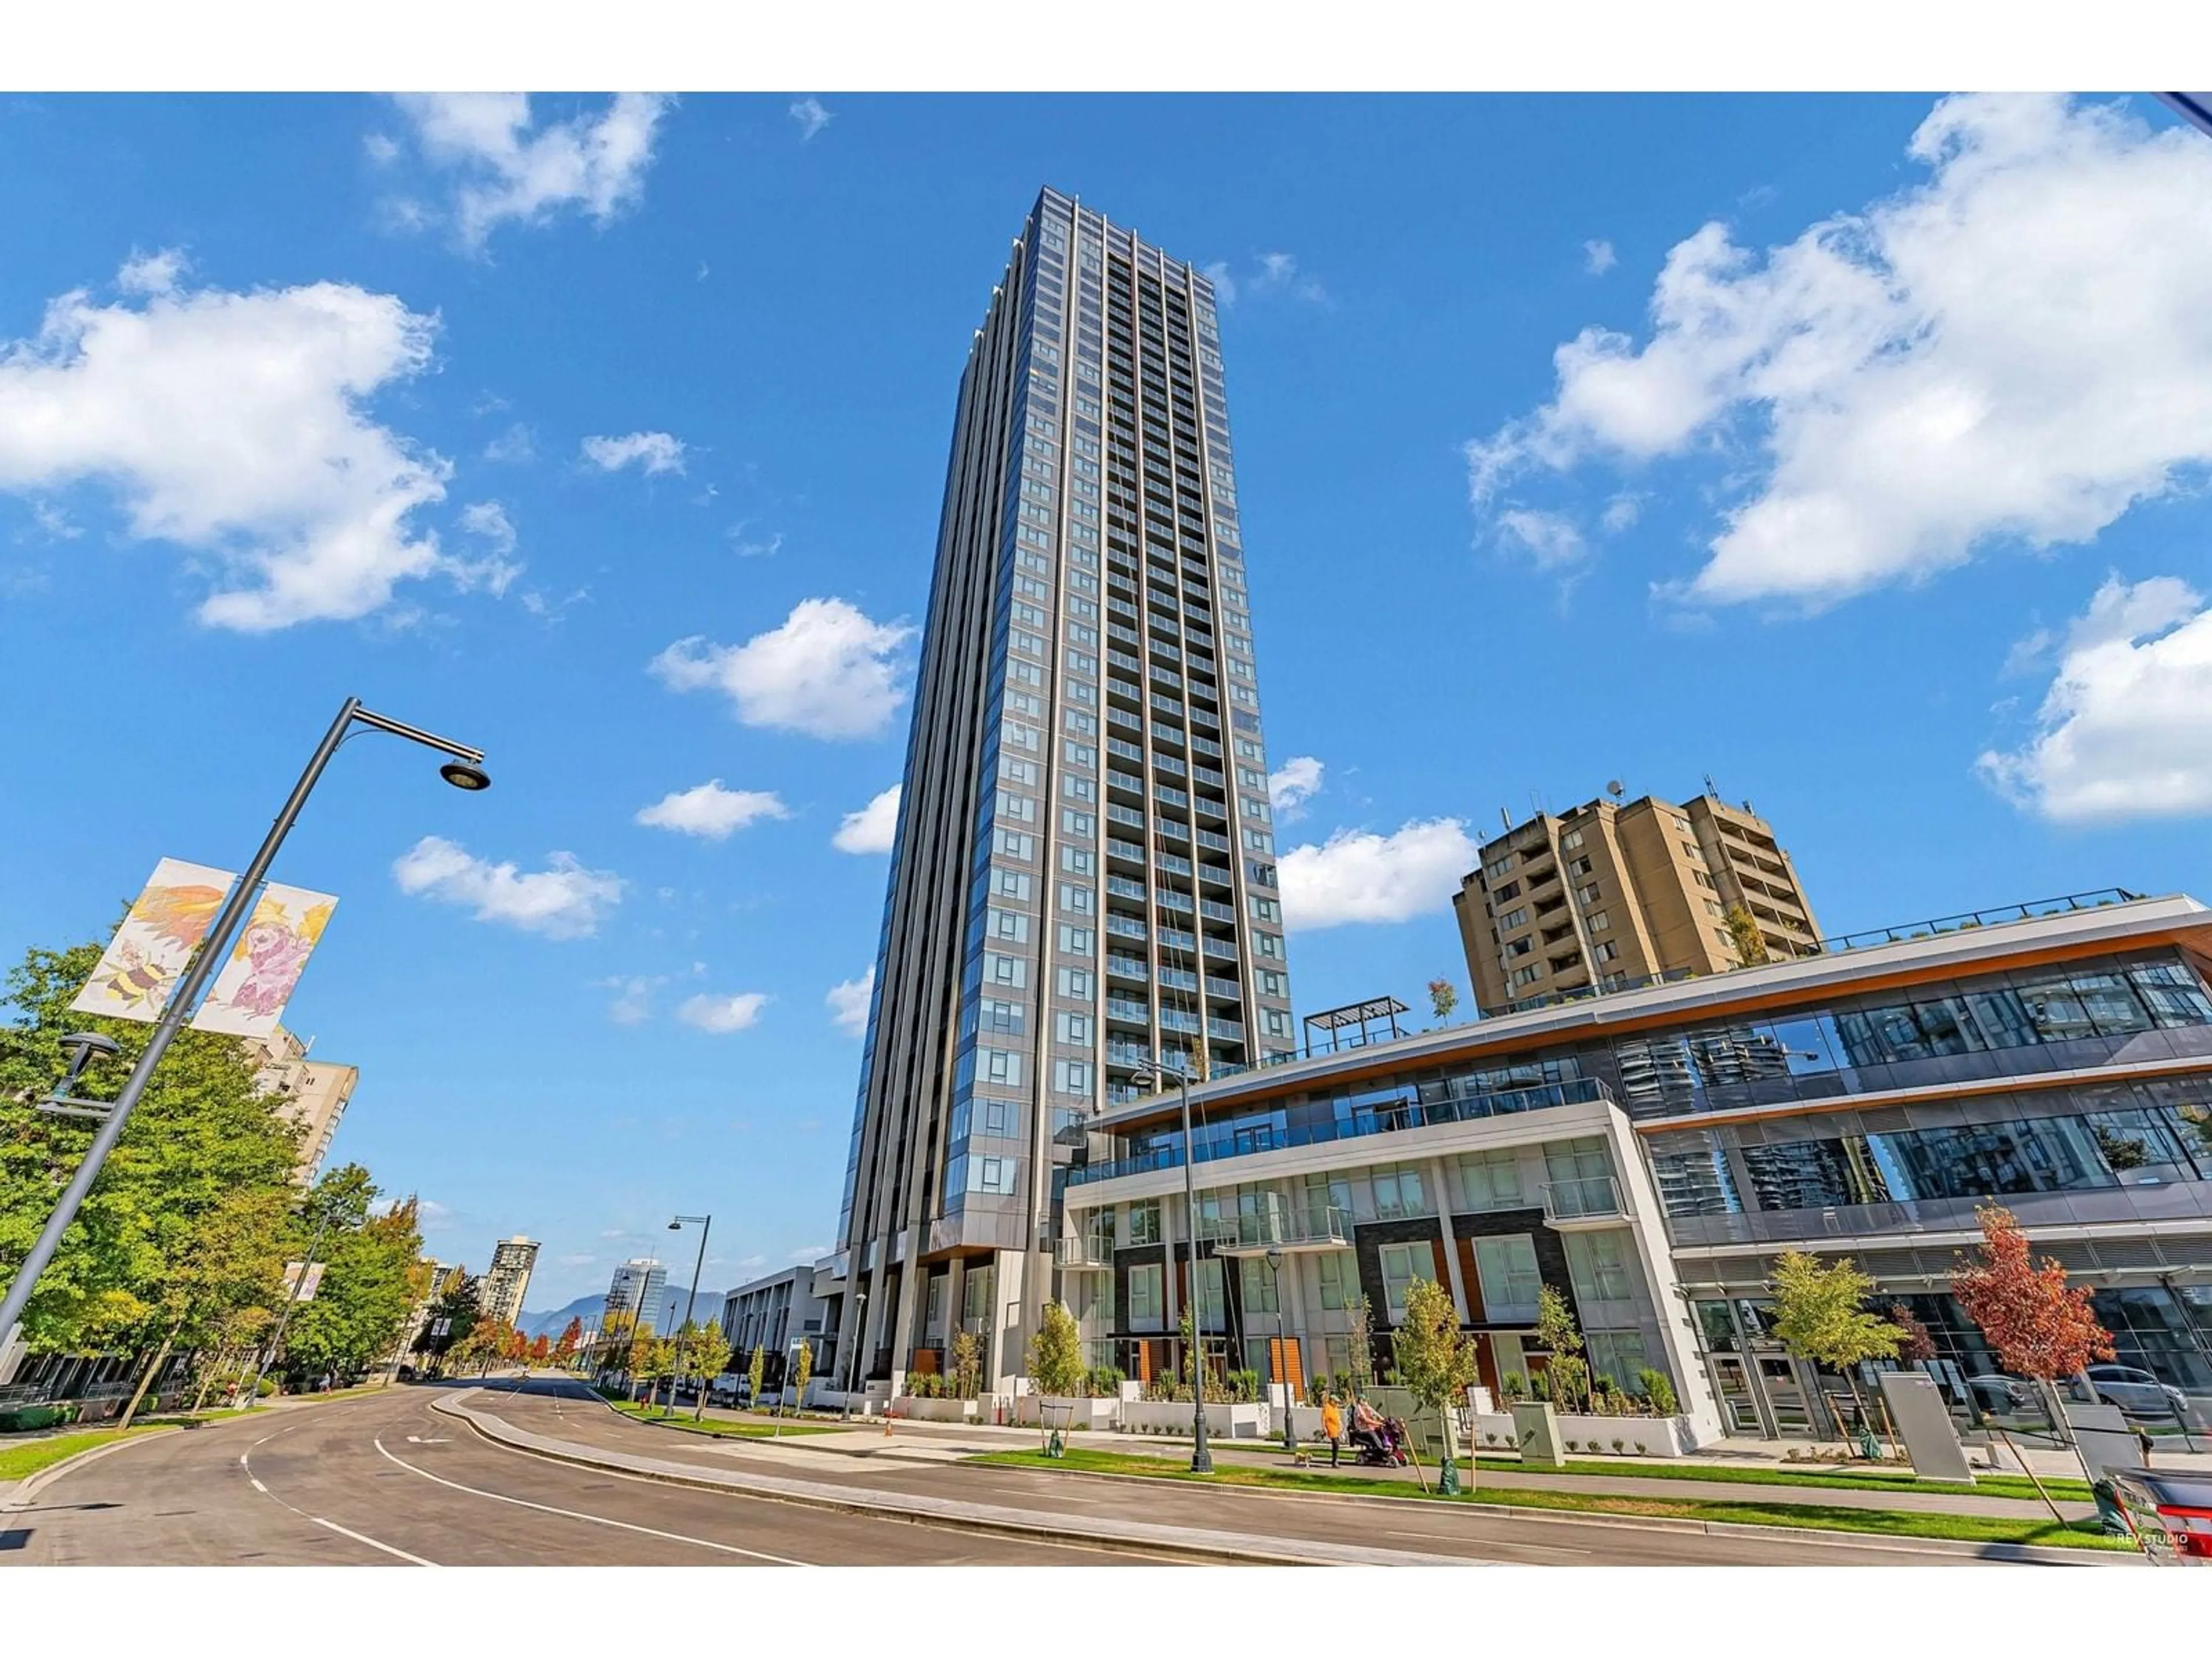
pixel 1619 1445
pixel 1658 1391
pixel 26 1418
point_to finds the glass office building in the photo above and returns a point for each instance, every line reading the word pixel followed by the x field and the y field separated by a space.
pixel 1083 872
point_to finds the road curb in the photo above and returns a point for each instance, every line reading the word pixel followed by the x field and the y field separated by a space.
pixel 1137 1538
pixel 2022 1554
pixel 32 1484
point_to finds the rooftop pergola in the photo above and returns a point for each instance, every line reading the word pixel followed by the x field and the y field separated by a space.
pixel 1356 1017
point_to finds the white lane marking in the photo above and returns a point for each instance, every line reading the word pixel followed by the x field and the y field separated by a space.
pixel 328 1526
pixel 363 1538
pixel 597 1520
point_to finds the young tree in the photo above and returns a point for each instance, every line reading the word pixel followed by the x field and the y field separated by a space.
pixel 967 1365
pixel 1750 943
pixel 1819 1314
pixel 1436 1360
pixel 1055 1353
pixel 541 1349
pixel 452 1317
pixel 2039 1326
pixel 1558 1335
pixel 368 1277
pixel 1443 997
pixel 802 1373
pixel 235 1264
pixel 1362 1344
pixel 1915 1342
pixel 705 1353
pixel 756 1374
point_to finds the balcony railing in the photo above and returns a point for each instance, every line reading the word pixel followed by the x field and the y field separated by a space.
pixel 1323 1227
pixel 1593 1198
pixel 1409 1114
pixel 1082 1255
pixel 2094 900
pixel 2138 1204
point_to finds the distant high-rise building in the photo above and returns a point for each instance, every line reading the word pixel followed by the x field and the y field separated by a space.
pixel 1614 894
pixel 506 1281
pixel 311 1093
pixel 638 1284
pixel 1084 873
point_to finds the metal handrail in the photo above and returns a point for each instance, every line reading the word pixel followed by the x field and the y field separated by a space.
pixel 1586 1198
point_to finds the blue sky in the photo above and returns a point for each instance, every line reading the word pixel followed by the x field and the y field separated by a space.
pixel 1570 450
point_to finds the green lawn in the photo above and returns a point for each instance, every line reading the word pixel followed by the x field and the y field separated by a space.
pixel 1969 1528
pixel 26 1458
pixel 763 1430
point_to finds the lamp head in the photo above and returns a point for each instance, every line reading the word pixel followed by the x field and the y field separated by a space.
pixel 84 1046
pixel 675 1226
pixel 463 776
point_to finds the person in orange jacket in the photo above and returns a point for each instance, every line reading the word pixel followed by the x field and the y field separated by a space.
pixel 1332 1427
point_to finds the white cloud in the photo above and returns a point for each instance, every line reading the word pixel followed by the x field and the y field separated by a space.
pixel 752 1262
pixel 382 148
pixel 654 452
pixel 1292 784
pixel 754 548
pixel 810 1253
pixel 810 116
pixel 1360 876
pixel 510 169
pixel 1598 258
pixel 1225 285
pixel 497 569
pixel 564 900
pixel 578 1260
pixel 1272 273
pixel 236 426
pixel 874 827
pixel 848 1002
pixel 711 810
pixel 2016 348
pixel 2125 731
pixel 1620 514
pixel 827 672
pixel 1550 539
pixel 722 1015
pixel 152 273
pixel 517 444
pixel 633 999
pixel 55 522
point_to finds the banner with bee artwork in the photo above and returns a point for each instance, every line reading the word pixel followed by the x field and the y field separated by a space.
pixel 148 955
pixel 250 992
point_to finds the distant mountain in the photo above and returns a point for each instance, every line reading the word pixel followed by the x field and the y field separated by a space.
pixel 589 1307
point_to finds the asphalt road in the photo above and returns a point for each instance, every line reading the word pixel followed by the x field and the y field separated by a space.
pixel 385 1481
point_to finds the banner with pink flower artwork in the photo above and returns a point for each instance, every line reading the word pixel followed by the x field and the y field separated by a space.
pixel 140 967
pixel 250 994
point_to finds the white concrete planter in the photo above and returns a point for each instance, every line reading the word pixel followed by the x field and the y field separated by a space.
pixel 935 1411
pixel 1640 1436
pixel 1242 1422
pixel 1065 1412
pixel 1305 1422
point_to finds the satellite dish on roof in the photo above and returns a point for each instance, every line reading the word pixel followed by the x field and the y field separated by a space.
pixel 1616 788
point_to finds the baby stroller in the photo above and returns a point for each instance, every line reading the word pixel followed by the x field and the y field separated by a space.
pixel 1382 1448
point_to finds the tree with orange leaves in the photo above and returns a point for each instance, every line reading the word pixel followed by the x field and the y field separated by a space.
pixel 2040 1326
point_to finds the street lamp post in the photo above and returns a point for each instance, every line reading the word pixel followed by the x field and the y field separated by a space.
pixel 1282 1346
pixel 788 1352
pixel 1149 1073
pixel 852 1360
pixel 464 771
pixel 705 1224
pixel 292 1300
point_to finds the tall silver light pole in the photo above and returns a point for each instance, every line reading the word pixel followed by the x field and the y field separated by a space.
pixel 705 1224
pixel 1149 1072
pixel 859 1332
pixel 292 1299
pixel 1282 1346
pixel 464 771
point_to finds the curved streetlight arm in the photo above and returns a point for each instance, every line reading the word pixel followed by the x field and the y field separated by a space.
pixel 212 955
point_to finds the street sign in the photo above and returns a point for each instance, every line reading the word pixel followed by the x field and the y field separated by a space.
pixel 439 1326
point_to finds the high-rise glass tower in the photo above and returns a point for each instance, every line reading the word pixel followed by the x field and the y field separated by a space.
pixel 1084 873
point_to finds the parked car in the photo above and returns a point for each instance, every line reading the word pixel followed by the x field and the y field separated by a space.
pixel 2171 1514
pixel 2138 1392
pixel 1998 1395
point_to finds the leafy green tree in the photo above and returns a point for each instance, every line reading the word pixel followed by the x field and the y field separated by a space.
pixel 201 1133
pixel 452 1318
pixel 1558 1335
pixel 234 1267
pixel 1362 1344
pixel 1443 997
pixel 369 1284
pixel 756 1375
pixel 1743 931
pixel 704 1351
pixel 1055 1353
pixel 1436 1360
pixel 1819 1314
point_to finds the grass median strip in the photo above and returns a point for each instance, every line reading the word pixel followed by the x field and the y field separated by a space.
pixel 721 1426
pixel 1841 1478
pixel 26 1458
pixel 1896 1523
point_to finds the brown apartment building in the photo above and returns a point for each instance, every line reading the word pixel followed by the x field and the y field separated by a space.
pixel 1613 894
